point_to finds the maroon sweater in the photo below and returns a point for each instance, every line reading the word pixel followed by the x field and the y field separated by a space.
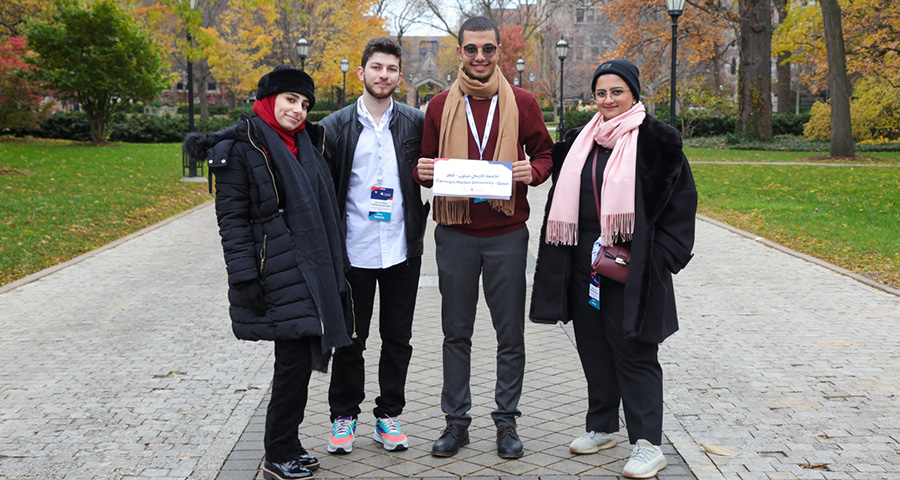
pixel 533 136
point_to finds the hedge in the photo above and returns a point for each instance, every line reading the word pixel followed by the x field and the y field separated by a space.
pixel 782 123
pixel 134 128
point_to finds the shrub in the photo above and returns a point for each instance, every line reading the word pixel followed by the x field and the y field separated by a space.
pixel 576 118
pixel 874 113
pixel 789 123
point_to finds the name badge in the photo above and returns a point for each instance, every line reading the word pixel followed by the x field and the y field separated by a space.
pixel 594 301
pixel 380 202
pixel 479 200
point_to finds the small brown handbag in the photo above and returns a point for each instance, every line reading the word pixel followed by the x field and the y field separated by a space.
pixel 611 262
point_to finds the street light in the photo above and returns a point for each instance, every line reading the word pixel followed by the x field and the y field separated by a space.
pixel 562 49
pixel 302 51
pixel 531 80
pixel 345 65
pixel 448 81
pixel 188 163
pixel 190 72
pixel 675 8
pixel 516 81
pixel 520 67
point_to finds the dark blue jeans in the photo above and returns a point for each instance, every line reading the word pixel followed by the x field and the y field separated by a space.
pixel 397 286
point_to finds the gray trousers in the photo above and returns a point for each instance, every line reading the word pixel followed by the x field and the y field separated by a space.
pixel 500 262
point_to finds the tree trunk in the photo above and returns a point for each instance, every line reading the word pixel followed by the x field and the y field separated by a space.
pixel 783 68
pixel 755 75
pixel 838 83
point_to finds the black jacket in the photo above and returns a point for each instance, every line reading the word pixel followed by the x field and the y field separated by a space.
pixel 273 292
pixel 342 129
pixel 665 210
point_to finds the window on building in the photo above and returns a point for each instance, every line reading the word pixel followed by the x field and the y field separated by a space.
pixel 589 16
pixel 579 15
pixel 180 86
pixel 211 86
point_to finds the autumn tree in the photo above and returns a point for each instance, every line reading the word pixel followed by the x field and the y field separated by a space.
pixel 706 32
pixel 97 56
pixel 532 16
pixel 21 101
pixel 838 83
pixel 755 73
pixel 14 14
pixel 402 15
pixel 235 48
pixel 782 65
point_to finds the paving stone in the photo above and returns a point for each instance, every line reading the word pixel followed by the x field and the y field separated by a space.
pixel 778 359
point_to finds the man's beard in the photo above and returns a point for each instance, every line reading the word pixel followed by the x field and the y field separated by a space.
pixel 378 96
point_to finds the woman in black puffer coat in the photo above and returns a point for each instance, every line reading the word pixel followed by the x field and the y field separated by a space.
pixel 284 249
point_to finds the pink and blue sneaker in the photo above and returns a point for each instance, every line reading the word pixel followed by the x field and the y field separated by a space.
pixel 389 434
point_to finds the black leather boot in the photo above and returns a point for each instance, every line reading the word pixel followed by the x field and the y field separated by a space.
pixel 508 443
pixel 453 437
pixel 290 470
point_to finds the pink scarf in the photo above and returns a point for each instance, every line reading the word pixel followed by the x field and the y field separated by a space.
pixel 620 134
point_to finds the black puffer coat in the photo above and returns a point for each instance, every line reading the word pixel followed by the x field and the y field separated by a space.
pixel 269 292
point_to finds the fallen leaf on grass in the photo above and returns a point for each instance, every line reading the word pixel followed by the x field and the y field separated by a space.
pixel 717 450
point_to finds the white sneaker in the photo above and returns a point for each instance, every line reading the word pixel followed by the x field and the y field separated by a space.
pixel 593 442
pixel 645 462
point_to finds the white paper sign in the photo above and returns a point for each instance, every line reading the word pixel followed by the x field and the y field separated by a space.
pixel 455 177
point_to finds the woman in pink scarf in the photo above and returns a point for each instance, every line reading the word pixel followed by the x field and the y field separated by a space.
pixel 621 180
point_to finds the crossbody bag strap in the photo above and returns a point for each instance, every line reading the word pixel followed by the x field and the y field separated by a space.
pixel 594 181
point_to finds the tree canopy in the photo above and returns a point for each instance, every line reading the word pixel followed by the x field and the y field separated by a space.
pixel 97 56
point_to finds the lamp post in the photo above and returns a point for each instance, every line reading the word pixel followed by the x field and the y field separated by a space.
pixel 531 81
pixel 345 65
pixel 190 72
pixel 189 167
pixel 562 49
pixel 302 51
pixel 448 81
pixel 516 81
pixel 520 67
pixel 675 8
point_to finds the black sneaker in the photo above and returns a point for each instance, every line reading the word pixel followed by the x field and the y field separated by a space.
pixel 291 470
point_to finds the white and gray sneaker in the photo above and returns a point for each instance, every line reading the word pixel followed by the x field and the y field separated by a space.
pixel 593 442
pixel 645 462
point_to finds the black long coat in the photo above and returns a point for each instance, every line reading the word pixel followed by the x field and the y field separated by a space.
pixel 665 210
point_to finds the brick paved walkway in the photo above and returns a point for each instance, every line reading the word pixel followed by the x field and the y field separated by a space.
pixel 123 366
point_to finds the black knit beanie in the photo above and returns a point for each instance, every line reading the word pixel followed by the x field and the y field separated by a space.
pixel 285 78
pixel 623 68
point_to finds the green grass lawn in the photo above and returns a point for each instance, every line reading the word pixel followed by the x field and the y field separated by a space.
pixel 59 199
pixel 846 215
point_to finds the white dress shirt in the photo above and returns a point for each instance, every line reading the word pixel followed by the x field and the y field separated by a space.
pixel 374 243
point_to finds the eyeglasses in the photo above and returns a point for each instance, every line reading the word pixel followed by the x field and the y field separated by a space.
pixel 488 50
pixel 615 93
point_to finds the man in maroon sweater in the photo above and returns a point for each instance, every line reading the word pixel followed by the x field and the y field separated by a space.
pixel 483 238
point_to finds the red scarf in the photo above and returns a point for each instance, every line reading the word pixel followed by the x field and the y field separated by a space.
pixel 265 109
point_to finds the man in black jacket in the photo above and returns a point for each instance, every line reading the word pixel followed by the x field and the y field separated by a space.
pixel 372 147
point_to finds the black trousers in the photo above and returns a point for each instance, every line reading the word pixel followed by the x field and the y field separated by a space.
pixel 397 286
pixel 616 369
pixel 287 402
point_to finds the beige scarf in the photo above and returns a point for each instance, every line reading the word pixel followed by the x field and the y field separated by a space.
pixel 454 139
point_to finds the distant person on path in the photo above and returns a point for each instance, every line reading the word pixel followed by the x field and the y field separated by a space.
pixel 483 117
pixel 620 180
pixel 284 251
pixel 372 147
